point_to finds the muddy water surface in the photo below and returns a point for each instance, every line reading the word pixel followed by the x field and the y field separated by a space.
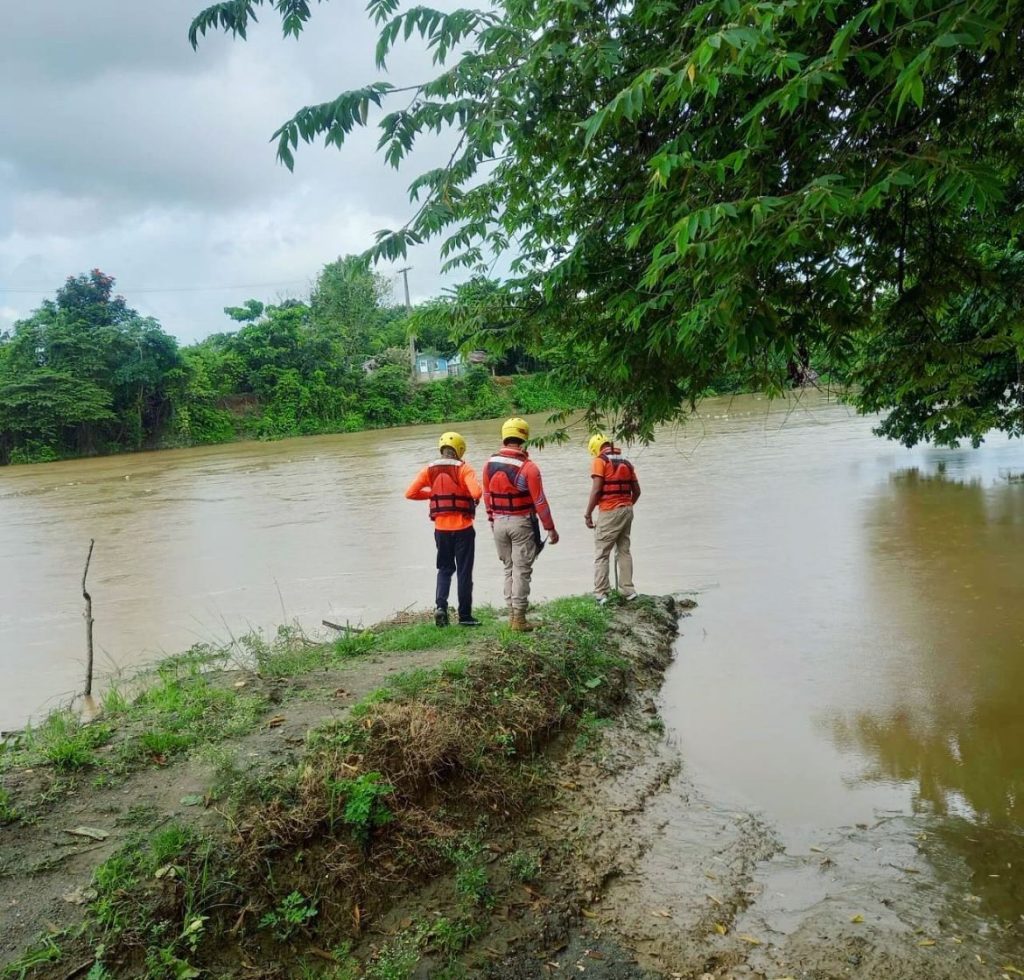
pixel 857 655
pixel 847 697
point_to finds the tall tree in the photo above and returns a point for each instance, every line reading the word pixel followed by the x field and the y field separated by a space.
pixel 351 307
pixel 82 372
pixel 689 187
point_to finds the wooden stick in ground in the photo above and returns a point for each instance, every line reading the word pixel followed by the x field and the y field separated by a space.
pixel 88 622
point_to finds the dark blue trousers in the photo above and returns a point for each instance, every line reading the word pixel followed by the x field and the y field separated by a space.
pixel 455 552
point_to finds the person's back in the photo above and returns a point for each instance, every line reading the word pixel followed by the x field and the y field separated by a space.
pixel 506 484
pixel 513 494
pixel 451 487
pixel 614 489
pixel 452 504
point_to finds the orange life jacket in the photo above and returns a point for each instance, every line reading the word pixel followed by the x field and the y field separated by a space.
pixel 500 475
pixel 447 492
pixel 618 484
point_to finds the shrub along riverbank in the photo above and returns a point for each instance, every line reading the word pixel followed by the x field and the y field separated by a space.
pixel 87 375
pixel 316 813
pixel 383 399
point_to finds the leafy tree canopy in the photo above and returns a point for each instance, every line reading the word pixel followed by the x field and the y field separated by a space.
pixel 84 371
pixel 85 374
pixel 351 306
pixel 692 187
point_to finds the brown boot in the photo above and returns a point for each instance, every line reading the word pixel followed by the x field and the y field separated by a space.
pixel 519 623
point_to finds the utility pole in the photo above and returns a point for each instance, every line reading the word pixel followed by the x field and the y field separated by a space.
pixel 404 273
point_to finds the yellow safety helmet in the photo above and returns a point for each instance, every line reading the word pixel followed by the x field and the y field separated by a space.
pixel 515 429
pixel 454 440
pixel 597 442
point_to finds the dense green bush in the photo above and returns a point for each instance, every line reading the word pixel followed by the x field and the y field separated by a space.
pixel 85 374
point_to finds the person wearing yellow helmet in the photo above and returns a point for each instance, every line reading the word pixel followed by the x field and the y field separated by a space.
pixel 515 430
pixel 614 490
pixel 516 507
pixel 451 487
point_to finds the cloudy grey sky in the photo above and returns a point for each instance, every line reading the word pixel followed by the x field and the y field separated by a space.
pixel 123 149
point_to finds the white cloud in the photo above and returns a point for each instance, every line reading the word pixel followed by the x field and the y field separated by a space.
pixel 126 151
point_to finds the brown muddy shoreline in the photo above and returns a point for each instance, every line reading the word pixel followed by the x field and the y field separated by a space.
pixel 74 824
pixel 637 874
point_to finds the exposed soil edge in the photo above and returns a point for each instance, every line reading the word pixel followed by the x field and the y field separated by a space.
pixel 643 634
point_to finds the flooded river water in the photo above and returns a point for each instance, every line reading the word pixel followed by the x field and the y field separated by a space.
pixel 858 649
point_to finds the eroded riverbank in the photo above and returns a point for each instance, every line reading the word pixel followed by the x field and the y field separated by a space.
pixel 345 809
pixel 415 803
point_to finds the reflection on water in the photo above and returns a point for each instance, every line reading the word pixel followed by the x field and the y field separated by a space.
pixel 957 764
pixel 954 545
pixel 952 541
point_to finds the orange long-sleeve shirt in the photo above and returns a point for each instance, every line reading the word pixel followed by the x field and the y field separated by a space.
pixel 421 489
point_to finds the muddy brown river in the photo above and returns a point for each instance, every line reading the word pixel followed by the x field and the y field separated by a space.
pixel 857 654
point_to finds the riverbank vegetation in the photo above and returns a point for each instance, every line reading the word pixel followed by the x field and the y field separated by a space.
pixel 333 836
pixel 86 374
pixel 687 190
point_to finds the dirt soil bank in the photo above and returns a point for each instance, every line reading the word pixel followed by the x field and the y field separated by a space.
pixel 564 838
pixel 46 871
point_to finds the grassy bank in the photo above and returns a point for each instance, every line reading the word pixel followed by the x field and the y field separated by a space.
pixel 380 833
pixel 384 399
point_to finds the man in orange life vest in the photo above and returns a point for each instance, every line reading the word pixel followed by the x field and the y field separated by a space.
pixel 614 489
pixel 516 505
pixel 450 485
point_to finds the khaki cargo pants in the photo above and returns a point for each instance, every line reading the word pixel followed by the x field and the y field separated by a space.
pixel 513 537
pixel 612 531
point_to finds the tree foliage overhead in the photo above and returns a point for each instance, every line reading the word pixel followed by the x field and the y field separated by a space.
pixel 688 187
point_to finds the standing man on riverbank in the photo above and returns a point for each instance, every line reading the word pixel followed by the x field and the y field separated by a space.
pixel 516 506
pixel 614 489
pixel 451 486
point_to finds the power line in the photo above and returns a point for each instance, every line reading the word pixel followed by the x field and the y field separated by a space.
pixel 167 289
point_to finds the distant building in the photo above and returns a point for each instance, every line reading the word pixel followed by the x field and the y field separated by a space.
pixel 433 367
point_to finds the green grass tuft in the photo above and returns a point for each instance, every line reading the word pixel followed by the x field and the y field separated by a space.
pixel 523 866
pixel 8 813
pixel 292 914
pixel 426 636
pixel 184 709
pixel 44 951
pixel 395 961
pixel 63 741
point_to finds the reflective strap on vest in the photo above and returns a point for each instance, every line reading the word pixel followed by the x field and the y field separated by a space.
pixel 514 501
pixel 619 484
pixel 451 502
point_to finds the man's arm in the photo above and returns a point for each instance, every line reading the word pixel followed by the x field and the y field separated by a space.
pixel 535 485
pixel 419 489
pixel 486 496
pixel 596 486
pixel 469 478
